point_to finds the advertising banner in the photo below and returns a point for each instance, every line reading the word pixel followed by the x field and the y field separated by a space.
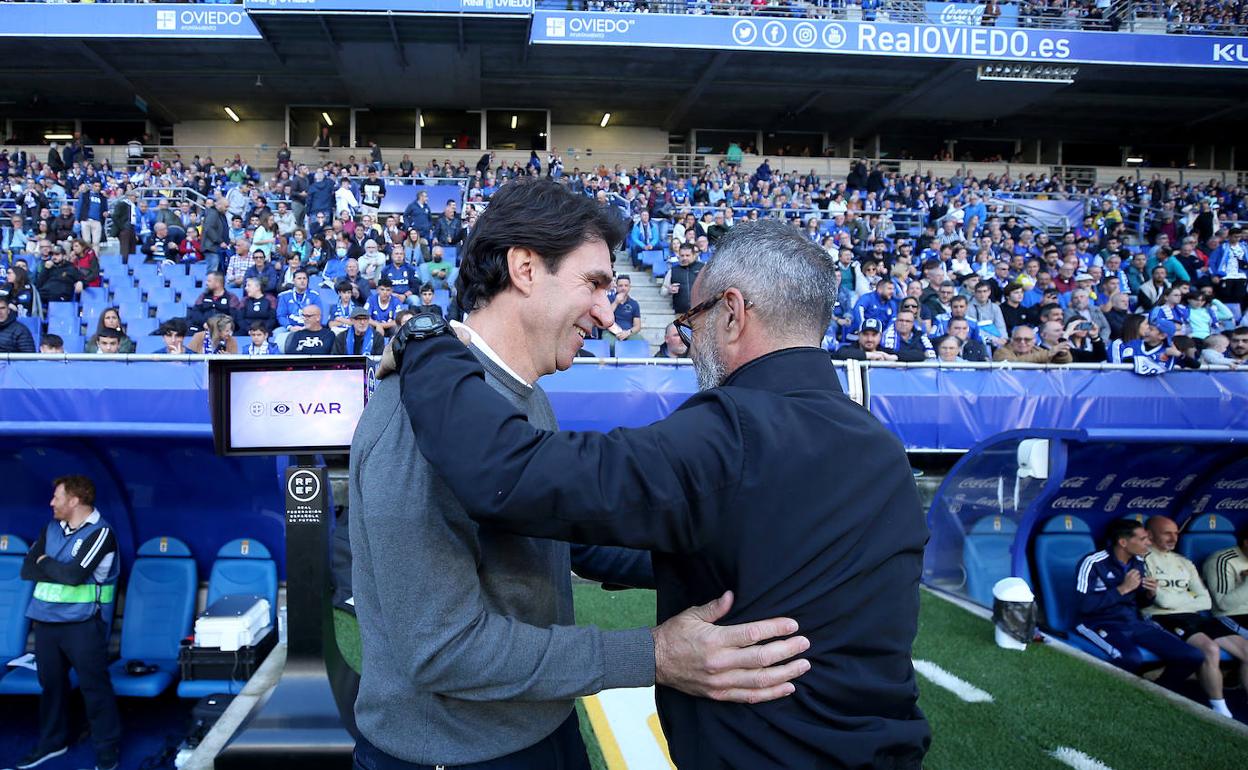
pixel 488 7
pixel 148 20
pixel 949 41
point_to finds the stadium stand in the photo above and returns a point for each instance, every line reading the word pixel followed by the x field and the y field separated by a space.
pixel 921 229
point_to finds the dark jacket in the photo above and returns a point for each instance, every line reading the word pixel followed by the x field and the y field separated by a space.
pixel 699 489
pixel 61 227
pixel 14 336
pixel 216 230
pixel 57 282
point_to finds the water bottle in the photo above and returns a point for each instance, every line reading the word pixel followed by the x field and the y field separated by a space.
pixel 281 624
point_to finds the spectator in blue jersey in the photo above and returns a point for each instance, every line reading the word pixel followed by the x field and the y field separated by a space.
pixel 1112 586
pixel 404 280
pixel 645 236
pixel 879 305
pixel 382 308
pixel 1155 352
pixel 258 343
pixel 340 313
pixel 92 208
pixel 1228 265
pixel 361 338
pixel 627 311
pixel 291 302
pixel 1172 309
pixel 418 217
pixel 904 341
pixel 263 272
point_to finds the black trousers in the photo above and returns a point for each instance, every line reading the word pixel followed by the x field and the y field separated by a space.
pixel 1232 291
pixel 82 646
pixel 561 750
pixel 128 239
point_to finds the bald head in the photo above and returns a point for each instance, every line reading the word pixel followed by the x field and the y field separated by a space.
pixel 1164 531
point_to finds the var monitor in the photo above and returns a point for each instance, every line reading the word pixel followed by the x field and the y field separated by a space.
pixel 286 405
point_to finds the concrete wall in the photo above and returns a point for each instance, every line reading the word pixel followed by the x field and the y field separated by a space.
pixel 621 139
pixel 227 133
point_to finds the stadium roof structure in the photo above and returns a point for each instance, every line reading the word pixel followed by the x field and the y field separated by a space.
pixel 462 62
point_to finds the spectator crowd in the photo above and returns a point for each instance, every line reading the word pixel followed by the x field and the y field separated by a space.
pixel 933 268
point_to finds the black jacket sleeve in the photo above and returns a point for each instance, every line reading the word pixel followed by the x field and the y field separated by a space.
pixel 76 572
pixel 657 487
pixel 29 570
pixel 613 567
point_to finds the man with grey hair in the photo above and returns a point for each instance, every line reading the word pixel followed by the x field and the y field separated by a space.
pixel 1082 309
pixel 727 493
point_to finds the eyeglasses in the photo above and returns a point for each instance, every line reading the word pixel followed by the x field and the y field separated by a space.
pixel 683 326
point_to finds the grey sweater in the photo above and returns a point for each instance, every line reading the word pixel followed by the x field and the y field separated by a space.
pixel 469 647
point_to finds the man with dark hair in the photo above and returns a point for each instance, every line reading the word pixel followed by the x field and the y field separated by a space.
pixel 51 343
pixel 1111 586
pixel 382 306
pixel 490 672
pixel 214 300
pixel 905 341
pixel 14 336
pixel 74 566
pixel 770 399
pixel 680 277
pixel 108 341
pixel 626 310
pixel 1238 349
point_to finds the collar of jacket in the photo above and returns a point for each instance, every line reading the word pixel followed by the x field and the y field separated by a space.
pixel 787 370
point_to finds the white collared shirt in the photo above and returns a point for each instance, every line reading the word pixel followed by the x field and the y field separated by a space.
pixel 480 343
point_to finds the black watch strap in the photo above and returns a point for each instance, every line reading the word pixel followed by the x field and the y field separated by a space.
pixel 421 326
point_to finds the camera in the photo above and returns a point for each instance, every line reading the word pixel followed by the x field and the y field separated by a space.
pixel 1084 326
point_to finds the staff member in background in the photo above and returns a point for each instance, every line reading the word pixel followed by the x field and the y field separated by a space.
pixel 727 493
pixel 74 565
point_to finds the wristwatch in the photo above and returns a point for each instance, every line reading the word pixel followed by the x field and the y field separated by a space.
pixel 421 326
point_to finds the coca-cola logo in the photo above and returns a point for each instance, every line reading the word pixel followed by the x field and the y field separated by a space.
pixel 1156 482
pixel 1231 484
pixel 986 483
pixel 1231 504
pixel 966 15
pixel 1087 501
pixel 1074 482
pixel 1150 503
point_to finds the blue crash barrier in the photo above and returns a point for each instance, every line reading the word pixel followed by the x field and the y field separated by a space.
pixel 1031 503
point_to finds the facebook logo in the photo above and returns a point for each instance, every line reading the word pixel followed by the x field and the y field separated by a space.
pixel 166 20
pixel 556 27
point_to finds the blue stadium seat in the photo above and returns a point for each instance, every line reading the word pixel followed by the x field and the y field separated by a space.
pixel 141 327
pixel 631 348
pixel 160 294
pixel 63 326
pixel 148 276
pixel 32 323
pixel 110 263
pixel 135 259
pixel 149 344
pixel 986 556
pixel 62 310
pixel 14 596
pixel 159 610
pixel 74 343
pixel 243 566
pixel 599 348
pixel 185 286
pixel 422 270
pixel 94 295
pixel 451 254
pixel 170 309
pixel 132 311
pixel 1062 542
pixel 442 297
pixel 123 294
pixel 237 291
pixel 91 313
pixel 199 271
pixel 1203 536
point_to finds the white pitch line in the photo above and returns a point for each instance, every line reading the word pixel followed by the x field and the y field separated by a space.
pixel 959 687
pixel 1077 759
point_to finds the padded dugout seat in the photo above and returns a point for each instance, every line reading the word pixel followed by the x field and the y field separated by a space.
pixel 15 595
pixel 160 606
pixel 243 566
pixel 986 556
pixel 1204 536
